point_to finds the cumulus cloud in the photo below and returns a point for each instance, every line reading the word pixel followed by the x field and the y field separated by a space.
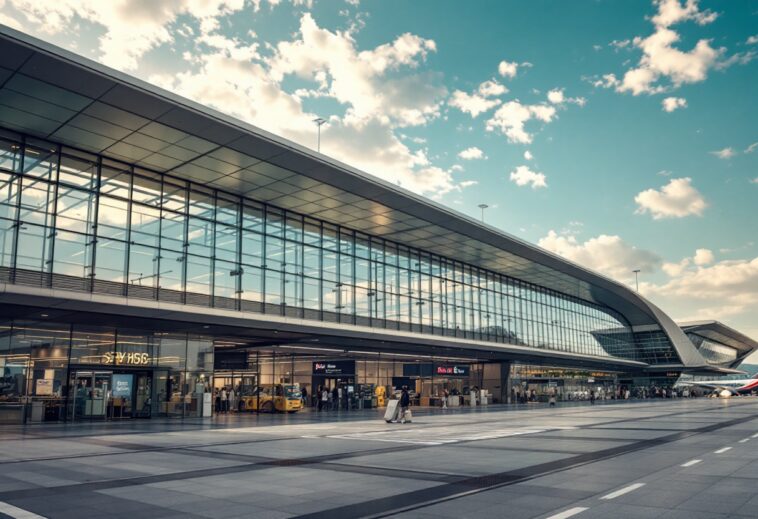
pixel 752 40
pixel 703 257
pixel 725 153
pixel 557 97
pixel 511 118
pixel 672 103
pixel 676 199
pixel 528 155
pixel 508 69
pixel 479 101
pixel 471 153
pixel 609 255
pixel 663 66
pixel 523 176
pixel 751 148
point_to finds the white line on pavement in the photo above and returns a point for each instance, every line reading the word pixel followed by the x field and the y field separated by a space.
pixel 722 450
pixel 623 491
pixel 569 513
pixel 744 440
pixel 755 435
pixel 16 512
pixel 691 463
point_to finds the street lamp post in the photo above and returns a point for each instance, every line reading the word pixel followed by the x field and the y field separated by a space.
pixel 483 207
pixel 320 121
pixel 636 279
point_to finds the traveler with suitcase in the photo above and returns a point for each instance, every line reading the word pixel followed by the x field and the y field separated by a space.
pixel 405 404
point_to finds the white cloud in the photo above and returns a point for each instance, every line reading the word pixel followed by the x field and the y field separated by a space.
pixel 663 66
pixel 456 167
pixel 676 269
pixel 523 176
pixel 752 40
pixel 751 148
pixel 754 181
pixel 510 119
pixel 478 102
pixel 725 153
pixel 471 153
pixel 672 103
pixel 703 257
pixel 555 96
pixel 508 69
pixel 676 199
pixel 528 155
pixel 609 255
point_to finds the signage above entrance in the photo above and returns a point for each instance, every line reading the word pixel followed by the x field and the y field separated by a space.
pixel 453 371
pixel 123 358
pixel 337 367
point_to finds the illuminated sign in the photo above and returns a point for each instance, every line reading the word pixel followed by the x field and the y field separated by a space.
pixel 122 386
pixel 336 367
pixel 126 358
pixel 453 371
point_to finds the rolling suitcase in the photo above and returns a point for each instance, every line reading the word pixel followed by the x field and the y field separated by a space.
pixel 390 415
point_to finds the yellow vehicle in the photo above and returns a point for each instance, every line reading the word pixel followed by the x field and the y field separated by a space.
pixel 270 399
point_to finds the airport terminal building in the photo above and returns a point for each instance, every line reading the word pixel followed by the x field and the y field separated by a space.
pixel 152 248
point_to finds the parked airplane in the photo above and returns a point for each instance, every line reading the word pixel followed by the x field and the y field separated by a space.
pixel 736 386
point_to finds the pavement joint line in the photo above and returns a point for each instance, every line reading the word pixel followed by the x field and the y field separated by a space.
pixel 744 440
pixel 571 512
pixel 755 435
pixel 690 463
pixel 390 506
pixel 16 512
pixel 722 450
pixel 622 491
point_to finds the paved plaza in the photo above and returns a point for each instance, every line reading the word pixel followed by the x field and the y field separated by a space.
pixel 670 459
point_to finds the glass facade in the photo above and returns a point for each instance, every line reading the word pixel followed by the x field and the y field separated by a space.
pixel 714 353
pixel 73 371
pixel 78 221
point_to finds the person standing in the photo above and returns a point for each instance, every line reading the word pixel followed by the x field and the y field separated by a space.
pixel 324 399
pixel 224 400
pixel 232 400
pixel 405 403
pixel 304 396
pixel 592 397
pixel 445 394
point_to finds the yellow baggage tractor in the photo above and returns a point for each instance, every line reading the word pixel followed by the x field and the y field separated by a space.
pixel 269 399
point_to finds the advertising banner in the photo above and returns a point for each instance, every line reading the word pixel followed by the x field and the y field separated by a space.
pixel 122 386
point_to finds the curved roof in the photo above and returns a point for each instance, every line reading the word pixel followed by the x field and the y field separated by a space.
pixel 723 334
pixel 55 94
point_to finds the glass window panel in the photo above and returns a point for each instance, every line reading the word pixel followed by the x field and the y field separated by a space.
pixel 41 162
pixel 251 284
pixel 147 191
pixel 77 172
pixel 89 344
pixel 252 248
pixel 200 237
pixel 293 290
pixel 172 231
pixel 8 195
pixel 143 266
pixel 226 242
pixel 7 236
pixel 312 232
pixel 174 196
pixel 172 270
pixel 34 244
pixel 10 155
pixel 225 279
pixel 75 210
pixel 110 260
pixel 273 287
pixel 36 197
pixel 274 222
pixel 145 225
pixel 115 182
pixel 311 293
pixel 252 217
pixel 227 211
pixel 73 254
pixel 201 203
pixel 274 253
pixel 112 218
pixel 311 261
pixel 198 275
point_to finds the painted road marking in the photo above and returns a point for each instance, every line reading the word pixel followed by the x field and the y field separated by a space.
pixel 691 463
pixel 722 450
pixel 755 435
pixel 621 492
pixel 744 440
pixel 19 513
pixel 569 513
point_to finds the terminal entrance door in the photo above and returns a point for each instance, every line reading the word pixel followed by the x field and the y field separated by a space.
pixel 110 395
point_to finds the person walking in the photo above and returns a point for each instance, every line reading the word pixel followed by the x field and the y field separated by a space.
pixel 232 400
pixel 304 396
pixel 322 405
pixel 551 399
pixel 224 400
pixel 445 395
pixel 592 397
pixel 405 403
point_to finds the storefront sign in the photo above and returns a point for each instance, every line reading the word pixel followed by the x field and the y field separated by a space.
pixel 230 360
pixel 126 358
pixel 122 386
pixel 338 367
pixel 453 371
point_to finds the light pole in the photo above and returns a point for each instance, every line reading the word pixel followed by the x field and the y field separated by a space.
pixel 320 121
pixel 483 207
pixel 636 279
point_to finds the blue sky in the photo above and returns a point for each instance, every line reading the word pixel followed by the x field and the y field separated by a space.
pixel 619 134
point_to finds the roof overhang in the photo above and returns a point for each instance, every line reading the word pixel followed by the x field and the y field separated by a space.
pixel 721 333
pixel 57 95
